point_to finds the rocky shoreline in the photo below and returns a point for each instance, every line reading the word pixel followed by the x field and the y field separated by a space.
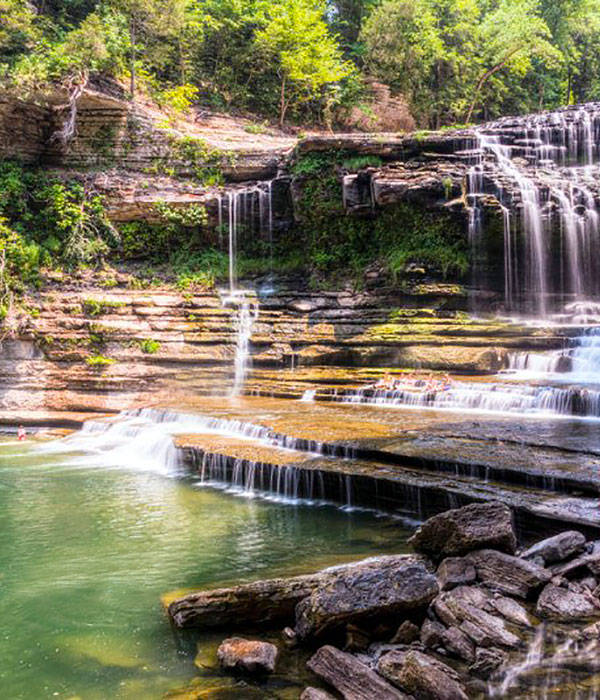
pixel 469 615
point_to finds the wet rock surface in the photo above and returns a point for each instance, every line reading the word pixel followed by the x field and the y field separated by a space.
pixel 506 573
pixel 359 594
pixel 460 531
pixel 421 676
pixel 557 548
pixel 247 656
pixel 562 604
pixel 350 677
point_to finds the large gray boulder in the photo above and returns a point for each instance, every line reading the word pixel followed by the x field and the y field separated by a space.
pixel 247 656
pixel 422 676
pixel 370 592
pixel 456 532
pixel 564 605
pixel 557 548
pixel 508 574
pixel 269 602
pixel 351 678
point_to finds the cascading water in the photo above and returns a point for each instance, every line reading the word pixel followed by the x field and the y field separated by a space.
pixel 578 362
pixel 249 213
pixel 550 669
pixel 244 321
pixel 497 397
pixel 542 171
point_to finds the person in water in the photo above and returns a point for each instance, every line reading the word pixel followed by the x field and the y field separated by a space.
pixel 21 433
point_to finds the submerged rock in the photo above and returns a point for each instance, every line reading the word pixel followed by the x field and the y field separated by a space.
pixel 316 694
pixel 457 532
pixel 247 656
pixel 362 593
pixel 487 662
pixel 350 677
pixel 557 548
pixel 422 676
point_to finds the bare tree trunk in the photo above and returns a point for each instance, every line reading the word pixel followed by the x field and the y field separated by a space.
pixel 282 104
pixel 66 133
pixel 485 77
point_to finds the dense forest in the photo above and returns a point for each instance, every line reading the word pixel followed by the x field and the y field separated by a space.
pixel 306 61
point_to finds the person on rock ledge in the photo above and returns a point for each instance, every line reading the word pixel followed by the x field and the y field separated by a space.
pixel 21 433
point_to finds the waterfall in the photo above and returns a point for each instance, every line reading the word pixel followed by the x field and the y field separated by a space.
pixel 249 214
pixel 496 397
pixel 543 172
pixel 282 483
pixel 246 316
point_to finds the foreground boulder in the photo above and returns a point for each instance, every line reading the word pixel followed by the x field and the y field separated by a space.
pixel 564 605
pixel 508 574
pixel 457 532
pixel 263 602
pixel 350 677
pixel 557 548
pixel 373 591
pixel 422 676
pixel 247 656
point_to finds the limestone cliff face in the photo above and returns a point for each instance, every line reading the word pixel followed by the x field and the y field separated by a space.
pixel 161 342
pixel 160 338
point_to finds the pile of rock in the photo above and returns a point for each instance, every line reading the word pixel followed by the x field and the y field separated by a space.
pixel 437 625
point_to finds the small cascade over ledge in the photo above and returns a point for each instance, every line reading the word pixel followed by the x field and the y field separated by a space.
pixel 578 362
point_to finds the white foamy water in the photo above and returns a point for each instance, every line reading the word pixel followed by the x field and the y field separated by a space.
pixel 143 439
pixel 577 363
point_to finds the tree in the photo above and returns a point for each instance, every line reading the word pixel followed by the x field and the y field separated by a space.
pixel 17 28
pixel 511 35
pixel 425 49
pixel 307 57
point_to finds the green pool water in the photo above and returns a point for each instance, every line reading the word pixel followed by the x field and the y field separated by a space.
pixel 87 552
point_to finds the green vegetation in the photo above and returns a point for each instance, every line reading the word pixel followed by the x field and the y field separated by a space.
pixel 149 346
pixel 98 307
pixel 304 60
pixel 398 237
pixel 45 221
pixel 360 162
pixel 99 361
